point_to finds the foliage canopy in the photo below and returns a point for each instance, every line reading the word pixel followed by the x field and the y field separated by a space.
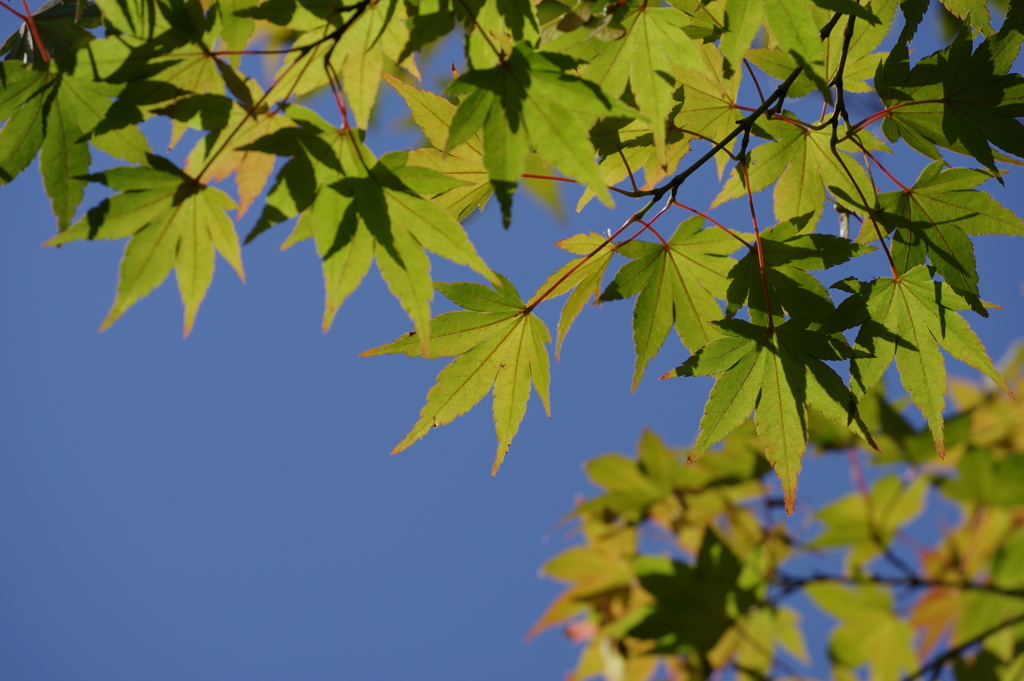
pixel 592 94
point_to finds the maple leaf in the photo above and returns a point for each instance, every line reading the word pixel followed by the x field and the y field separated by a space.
pixel 676 284
pixel 800 162
pixel 465 163
pixel 707 18
pixel 777 375
pixel 174 223
pixel 867 523
pixel 63 27
pixel 344 190
pixel 956 98
pixel 788 256
pixel 581 276
pixel 794 26
pixel 358 56
pixel 908 319
pixel 137 18
pixel 861 59
pixel 972 12
pixel 530 98
pixel 709 101
pixel 870 631
pixel 628 146
pixel 497 342
pixel 690 609
pixel 221 153
pixel 67 107
pixel 651 49
pixel 236 26
pixel 484 22
pixel 933 219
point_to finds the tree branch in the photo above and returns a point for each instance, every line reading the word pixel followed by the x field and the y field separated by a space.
pixel 791 583
pixel 936 663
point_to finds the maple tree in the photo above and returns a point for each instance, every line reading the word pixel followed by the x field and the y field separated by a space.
pixel 591 94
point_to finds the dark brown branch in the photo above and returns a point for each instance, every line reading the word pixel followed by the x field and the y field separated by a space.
pixel 790 583
pixel 742 126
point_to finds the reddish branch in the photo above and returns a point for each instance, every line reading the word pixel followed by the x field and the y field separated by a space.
pixel 715 222
pixel 760 249
pixel 753 77
pixel 629 170
pixel 864 201
pixel 31 21
pixel 12 10
pixel 547 292
pixel 878 115
pixel 879 164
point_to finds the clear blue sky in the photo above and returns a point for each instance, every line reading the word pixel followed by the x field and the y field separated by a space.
pixel 224 507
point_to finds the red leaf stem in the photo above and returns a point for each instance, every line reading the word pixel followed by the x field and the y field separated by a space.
pixel 30 20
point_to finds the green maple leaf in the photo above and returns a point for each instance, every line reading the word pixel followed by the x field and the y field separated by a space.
pixel 351 202
pixel 484 22
pixel 801 165
pixel 67 107
pixel 217 156
pixel 694 605
pixel 138 18
pixel 862 60
pixel 627 146
pixel 497 342
pixel 652 48
pixel 236 26
pixel 359 57
pixel 788 257
pixel 972 12
pixel 63 26
pixel 529 98
pixel 933 219
pixel 709 101
pixel 707 18
pixel 867 523
pixel 777 375
pixel 958 99
pixel 159 73
pixel 174 223
pixel 465 163
pixel 908 319
pixel 677 284
pixel 794 28
pixel 580 277
pixel 870 629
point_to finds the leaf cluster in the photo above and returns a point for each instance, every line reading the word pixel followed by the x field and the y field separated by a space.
pixel 688 570
pixel 586 94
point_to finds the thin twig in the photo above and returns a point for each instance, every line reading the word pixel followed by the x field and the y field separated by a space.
pixel 555 178
pixel 629 170
pixel 715 222
pixel 760 248
pixel 879 164
pixel 864 202
pixel 358 8
pixel 790 583
pixel 750 70
pixel 13 11
pixel 635 217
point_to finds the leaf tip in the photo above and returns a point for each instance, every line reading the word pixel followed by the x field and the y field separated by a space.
pixel 674 373
pixel 789 497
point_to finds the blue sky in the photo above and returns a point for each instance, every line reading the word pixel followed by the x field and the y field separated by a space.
pixel 224 507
